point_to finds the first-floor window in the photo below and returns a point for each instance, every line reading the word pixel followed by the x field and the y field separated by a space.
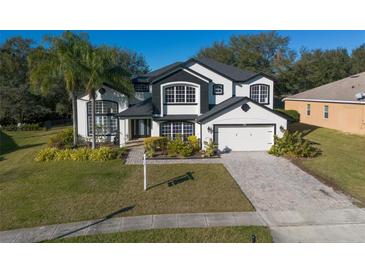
pixel 105 121
pixel 104 125
pixel 260 93
pixel 308 109
pixel 325 111
pixel 172 130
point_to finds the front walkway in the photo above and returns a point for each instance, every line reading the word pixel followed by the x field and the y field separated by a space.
pixel 120 224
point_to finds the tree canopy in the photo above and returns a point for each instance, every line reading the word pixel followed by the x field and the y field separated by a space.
pixel 32 89
pixel 269 52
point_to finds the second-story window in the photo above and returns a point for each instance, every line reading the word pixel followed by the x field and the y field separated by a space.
pixel 179 94
pixel 260 93
pixel 141 88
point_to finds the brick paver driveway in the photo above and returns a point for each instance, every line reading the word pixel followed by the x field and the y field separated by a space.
pixel 295 205
pixel 273 183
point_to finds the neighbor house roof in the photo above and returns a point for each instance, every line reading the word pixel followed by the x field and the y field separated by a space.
pixel 228 71
pixel 344 90
pixel 142 109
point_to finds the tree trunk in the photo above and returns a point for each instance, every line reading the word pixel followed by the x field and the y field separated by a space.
pixel 93 121
pixel 74 118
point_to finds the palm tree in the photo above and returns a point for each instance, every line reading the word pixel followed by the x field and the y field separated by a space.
pixel 60 60
pixel 100 66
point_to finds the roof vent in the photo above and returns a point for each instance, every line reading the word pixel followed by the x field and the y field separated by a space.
pixel 360 95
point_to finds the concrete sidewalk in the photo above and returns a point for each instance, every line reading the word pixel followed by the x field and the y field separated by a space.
pixel 38 234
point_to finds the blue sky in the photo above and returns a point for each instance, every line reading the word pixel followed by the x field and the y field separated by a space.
pixel 164 47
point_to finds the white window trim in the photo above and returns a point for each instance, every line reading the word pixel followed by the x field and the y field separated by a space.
pixel 171 125
pixel 162 98
pixel 324 111
pixel 310 110
pixel 267 102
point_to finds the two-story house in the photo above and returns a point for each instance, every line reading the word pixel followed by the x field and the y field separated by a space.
pixel 199 97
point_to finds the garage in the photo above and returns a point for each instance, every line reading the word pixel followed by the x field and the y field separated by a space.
pixel 244 137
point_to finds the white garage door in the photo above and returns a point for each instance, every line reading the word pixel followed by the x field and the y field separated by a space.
pixel 245 138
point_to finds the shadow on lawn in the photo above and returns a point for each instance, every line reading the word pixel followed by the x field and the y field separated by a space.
pixel 7 144
pixel 176 180
pixel 111 215
pixel 304 128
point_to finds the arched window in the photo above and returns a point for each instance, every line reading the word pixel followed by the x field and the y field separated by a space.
pixel 105 120
pixel 260 93
pixel 173 129
pixel 179 94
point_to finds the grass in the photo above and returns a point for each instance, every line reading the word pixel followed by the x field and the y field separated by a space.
pixel 34 194
pixel 240 234
pixel 342 163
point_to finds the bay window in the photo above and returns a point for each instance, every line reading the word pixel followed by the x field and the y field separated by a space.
pixel 105 121
pixel 179 94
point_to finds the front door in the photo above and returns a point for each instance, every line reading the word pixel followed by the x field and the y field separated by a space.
pixel 141 128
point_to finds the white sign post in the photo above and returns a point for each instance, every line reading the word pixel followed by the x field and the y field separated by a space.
pixel 144 172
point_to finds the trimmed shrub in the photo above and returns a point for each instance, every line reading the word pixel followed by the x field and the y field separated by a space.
pixel 63 139
pixel 80 154
pixel 292 114
pixel 63 154
pixel 179 147
pixel 293 144
pixel 102 154
pixel 46 154
pixel 210 148
pixel 194 143
pixel 154 144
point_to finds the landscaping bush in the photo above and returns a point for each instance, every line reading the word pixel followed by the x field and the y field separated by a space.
pixel 194 143
pixel 174 146
pixel 63 154
pixel 153 144
pixel 22 127
pixel 79 154
pixel 63 139
pixel 46 154
pixel 292 114
pixel 293 144
pixel 210 148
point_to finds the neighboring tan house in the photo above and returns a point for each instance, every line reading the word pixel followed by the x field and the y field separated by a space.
pixel 199 97
pixel 338 105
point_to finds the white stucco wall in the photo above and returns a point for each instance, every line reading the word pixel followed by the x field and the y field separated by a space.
pixel 216 79
pixel 255 115
pixel 243 89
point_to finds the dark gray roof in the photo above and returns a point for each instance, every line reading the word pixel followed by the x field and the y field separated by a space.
pixel 221 106
pixel 142 109
pixel 176 117
pixel 341 90
pixel 229 71
pixel 155 73
pixel 231 102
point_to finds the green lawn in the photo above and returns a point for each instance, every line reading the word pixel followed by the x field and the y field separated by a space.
pixel 239 234
pixel 33 194
pixel 342 163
